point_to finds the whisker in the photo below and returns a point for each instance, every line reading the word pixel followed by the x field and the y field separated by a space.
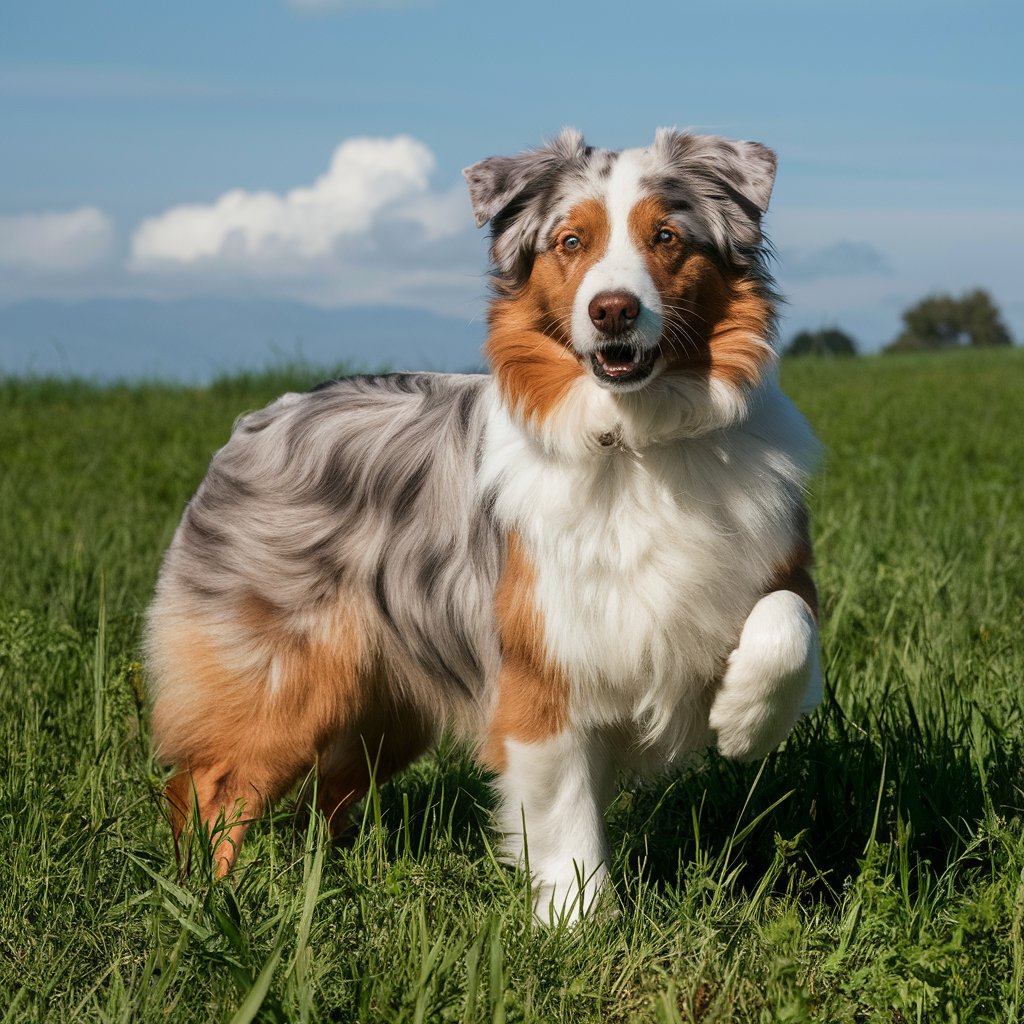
pixel 683 309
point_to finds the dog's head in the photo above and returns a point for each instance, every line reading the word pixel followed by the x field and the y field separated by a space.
pixel 641 272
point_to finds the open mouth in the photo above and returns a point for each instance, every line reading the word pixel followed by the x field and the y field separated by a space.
pixel 622 364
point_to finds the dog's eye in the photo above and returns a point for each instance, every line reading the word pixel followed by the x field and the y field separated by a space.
pixel 571 242
pixel 664 236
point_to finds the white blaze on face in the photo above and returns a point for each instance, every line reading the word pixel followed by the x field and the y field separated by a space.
pixel 623 267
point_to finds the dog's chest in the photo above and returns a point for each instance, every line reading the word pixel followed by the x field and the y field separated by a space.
pixel 645 567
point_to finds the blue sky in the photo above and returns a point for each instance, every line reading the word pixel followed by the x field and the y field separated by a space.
pixel 174 150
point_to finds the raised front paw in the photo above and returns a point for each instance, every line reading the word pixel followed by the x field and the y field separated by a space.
pixel 771 677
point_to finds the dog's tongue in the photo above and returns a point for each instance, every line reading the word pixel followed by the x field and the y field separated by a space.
pixel 616 362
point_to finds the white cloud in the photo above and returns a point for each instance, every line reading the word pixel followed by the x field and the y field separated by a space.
pixel 55 242
pixel 370 183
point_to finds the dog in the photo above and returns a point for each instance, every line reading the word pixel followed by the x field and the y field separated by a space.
pixel 593 561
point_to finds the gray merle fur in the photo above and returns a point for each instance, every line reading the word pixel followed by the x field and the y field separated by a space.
pixel 365 479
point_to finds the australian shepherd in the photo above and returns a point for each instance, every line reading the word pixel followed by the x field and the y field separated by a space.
pixel 593 561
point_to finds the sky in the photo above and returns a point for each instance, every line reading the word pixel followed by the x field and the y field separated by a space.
pixel 311 149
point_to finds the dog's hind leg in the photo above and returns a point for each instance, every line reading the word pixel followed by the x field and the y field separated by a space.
pixel 225 806
pixel 255 757
pixel 244 709
pixel 383 743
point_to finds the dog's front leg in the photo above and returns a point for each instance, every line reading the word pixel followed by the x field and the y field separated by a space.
pixel 773 675
pixel 553 776
pixel 553 794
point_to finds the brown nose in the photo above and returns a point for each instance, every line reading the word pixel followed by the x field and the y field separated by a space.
pixel 613 312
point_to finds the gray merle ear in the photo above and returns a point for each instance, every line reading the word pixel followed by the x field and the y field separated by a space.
pixel 498 181
pixel 726 186
pixel 744 172
pixel 755 167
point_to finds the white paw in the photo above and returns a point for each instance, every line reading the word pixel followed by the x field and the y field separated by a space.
pixel 569 900
pixel 772 676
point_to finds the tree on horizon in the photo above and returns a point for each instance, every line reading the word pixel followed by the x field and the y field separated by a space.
pixel 941 321
pixel 827 341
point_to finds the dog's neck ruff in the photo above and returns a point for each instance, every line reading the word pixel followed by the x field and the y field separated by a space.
pixel 591 421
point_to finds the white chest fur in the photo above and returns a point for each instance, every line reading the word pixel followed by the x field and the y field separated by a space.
pixel 648 562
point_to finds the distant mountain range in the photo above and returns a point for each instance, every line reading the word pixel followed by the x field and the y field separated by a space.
pixel 197 339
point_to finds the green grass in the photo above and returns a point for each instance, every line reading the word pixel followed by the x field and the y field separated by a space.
pixel 872 870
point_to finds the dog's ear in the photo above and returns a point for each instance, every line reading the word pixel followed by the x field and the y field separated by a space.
pixel 728 184
pixel 749 167
pixel 745 170
pixel 753 167
pixel 498 181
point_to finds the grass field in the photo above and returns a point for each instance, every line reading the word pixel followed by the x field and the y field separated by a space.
pixel 872 870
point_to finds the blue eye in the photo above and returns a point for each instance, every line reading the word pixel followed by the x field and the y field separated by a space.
pixel 571 242
pixel 665 236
